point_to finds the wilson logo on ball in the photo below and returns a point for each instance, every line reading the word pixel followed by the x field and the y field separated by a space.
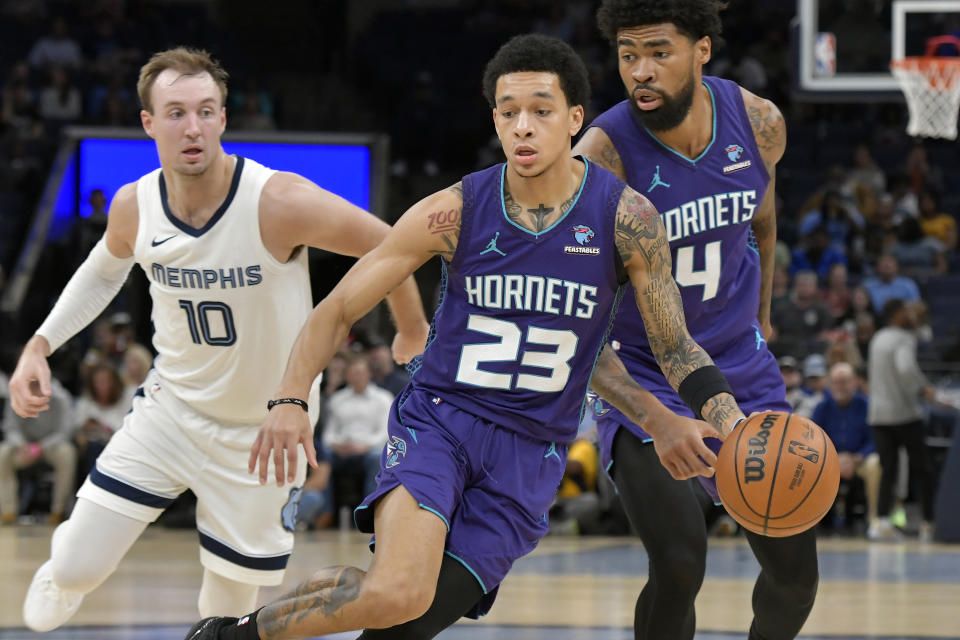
pixel 753 466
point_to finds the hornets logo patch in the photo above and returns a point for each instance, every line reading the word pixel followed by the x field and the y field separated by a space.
pixel 396 449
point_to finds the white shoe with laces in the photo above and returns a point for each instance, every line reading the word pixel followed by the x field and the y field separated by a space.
pixel 46 606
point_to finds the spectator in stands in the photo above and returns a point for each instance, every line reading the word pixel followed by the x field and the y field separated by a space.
pixel 840 217
pixel 935 223
pixel 814 383
pixel 816 253
pixel 793 380
pixel 917 254
pixel 865 326
pixel 60 99
pixel 29 440
pixel 251 118
pixel 56 49
pixel 888 284
pixel 384 370
pixel 800 320
pixel 99 413
pixel 137 361
pixel 843 349
pixel 865 172
pixel 315 510
pixel 836 295
pixel 356 427
pixel 895 412
pixel 843 415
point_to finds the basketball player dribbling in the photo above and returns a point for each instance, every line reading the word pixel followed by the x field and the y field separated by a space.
pixel 704 151
pixel 534 253
pixel 222 241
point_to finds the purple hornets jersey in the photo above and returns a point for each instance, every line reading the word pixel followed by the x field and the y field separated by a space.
pixel 707 205
pixel 523 315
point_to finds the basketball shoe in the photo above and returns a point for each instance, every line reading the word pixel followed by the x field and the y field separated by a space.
pixel 47 606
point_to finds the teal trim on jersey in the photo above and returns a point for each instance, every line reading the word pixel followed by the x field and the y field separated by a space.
pixel 413 434
pixel 436 513
pixel 537 234
pixel 417 362
pixel 469 568
pixel 713 136
pixel 357 524
pixel 606 334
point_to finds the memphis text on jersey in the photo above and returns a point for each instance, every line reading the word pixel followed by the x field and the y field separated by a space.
pixel 710 212
pixel 531 293
pixel 207 278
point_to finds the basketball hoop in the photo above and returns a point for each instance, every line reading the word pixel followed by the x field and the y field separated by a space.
pixel 931 85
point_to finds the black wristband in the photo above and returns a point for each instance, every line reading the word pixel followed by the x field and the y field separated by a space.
pixel 297 401
pixel 701 385
pixel 243 629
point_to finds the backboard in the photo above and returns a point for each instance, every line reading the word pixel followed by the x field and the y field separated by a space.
pixel 844 47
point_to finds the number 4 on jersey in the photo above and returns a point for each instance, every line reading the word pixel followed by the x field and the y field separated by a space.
pixel 708 277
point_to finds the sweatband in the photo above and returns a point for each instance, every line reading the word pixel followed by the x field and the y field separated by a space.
pixel 95 283
pixel 701 385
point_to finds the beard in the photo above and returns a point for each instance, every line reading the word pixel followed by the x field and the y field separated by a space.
pixel 671 111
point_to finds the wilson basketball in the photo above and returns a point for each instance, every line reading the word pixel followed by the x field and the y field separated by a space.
pixel 777 474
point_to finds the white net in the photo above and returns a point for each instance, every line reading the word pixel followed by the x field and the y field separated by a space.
pixel 932 88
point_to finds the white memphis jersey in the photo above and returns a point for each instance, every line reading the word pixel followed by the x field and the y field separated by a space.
pixel 225 311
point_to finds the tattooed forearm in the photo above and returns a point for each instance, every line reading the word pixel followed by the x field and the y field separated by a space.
pixel 676 352
pixel 720 411
pixel 612 382
pixel 322 596
pixel 639 230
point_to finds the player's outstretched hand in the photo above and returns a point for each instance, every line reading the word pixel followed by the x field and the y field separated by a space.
pixel 30 382
pixel 286 427
pixel 679 444
pixel 407 346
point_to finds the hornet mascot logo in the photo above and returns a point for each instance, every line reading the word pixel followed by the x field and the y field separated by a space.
pixel 582 234
pixel 396 449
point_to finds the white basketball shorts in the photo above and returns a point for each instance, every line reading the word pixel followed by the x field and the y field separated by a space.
pixel 164 448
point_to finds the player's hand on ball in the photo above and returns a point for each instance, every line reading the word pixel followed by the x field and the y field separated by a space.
pixel 407 346
pixel 286 427
pixel 679 444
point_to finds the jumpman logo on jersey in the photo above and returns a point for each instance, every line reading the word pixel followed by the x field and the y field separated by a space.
pixel 492 246
pixel 552 451
pixel 760 338
pixel 657 182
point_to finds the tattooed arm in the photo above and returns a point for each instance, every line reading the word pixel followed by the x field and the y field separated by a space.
pixel 678 440
pixel 596 146
pixel 431 227
pixel 642 243
pixel 771 135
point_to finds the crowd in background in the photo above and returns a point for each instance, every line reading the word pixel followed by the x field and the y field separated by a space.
pixel 867 217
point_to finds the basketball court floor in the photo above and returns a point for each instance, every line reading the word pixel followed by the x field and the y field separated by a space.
pixel 568 589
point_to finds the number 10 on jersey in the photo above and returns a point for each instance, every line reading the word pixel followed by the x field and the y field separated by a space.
pixel 201 321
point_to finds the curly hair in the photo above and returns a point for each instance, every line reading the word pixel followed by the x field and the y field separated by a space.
pixel 539 53
pixel 693 18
